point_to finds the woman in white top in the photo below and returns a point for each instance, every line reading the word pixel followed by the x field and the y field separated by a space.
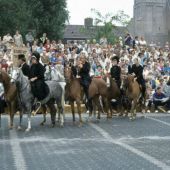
pixel 18 39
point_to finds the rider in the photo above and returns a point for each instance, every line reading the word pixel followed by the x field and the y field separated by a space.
pixel 115 70
pixel 38 86
pixel 23 65
pixel 137 71
pixel 85 79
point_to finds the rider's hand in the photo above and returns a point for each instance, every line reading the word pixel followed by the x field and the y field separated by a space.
pixel 33 79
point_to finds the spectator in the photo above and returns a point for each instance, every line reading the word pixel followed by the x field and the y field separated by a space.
pixel 18 39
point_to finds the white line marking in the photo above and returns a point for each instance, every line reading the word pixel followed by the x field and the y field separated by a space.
pixel 131 149
pixel 160 121
pixel 16 151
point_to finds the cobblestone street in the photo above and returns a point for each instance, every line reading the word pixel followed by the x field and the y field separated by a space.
pixel 143 144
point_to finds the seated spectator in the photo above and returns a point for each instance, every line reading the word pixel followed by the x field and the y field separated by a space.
pixel 160 99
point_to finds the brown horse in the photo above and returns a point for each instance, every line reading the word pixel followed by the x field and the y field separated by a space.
pixel 97 89
pixel 10 94
pixel 73 91
pixel 133 93
pixel 113 92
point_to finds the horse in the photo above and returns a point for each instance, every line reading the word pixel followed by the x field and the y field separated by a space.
pixel 55 73
pixel 133 93
pixel 99 95
pixel 73 91
pixel 113 92
pixel 10 94
pixel 55 94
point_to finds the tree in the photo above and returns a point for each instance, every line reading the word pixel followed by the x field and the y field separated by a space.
pixel 39 15
pixel 106 24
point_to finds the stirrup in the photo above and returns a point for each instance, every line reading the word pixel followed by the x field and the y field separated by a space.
pixel 34 112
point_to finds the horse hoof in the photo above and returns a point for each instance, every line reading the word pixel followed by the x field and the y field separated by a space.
pixel 133 118
pixel 61 125
pixel 19 128
pixel 42 124
pixel 10 127
pixel 130 118
pixel 28 130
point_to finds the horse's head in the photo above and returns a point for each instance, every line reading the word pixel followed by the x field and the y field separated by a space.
pixel 47 73
pixel 68 74
pixel 16 74
pixel 4 77
pixel 126 81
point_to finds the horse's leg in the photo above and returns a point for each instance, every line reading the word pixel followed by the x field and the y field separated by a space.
pixel 133 107
pixel 44 109
pixel 73 111
pixel 79 112
pixel 98 104
pixel 107 107
pixel 29 118
pixel 11 110
pixel 52 112
pixel 20 118
pixel 60 113
pixel 60 105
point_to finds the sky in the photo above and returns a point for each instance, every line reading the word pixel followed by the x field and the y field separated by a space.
pixel 80 9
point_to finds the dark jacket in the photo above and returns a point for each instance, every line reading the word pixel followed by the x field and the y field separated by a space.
pixel 39 88
pixel 115 72
pixel 26 69
pixel 37 70
pixel 74 70
pixel 138 71
pixel 84 73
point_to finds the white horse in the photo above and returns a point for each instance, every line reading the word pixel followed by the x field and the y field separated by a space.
pixel 26 98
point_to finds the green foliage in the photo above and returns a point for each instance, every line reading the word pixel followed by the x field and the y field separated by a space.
pixel 106 24
pixel 39 15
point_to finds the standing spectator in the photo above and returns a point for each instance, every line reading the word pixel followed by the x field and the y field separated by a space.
pixel 128 40
pixel 34 46
pixel 18 39
pixel 29 38
pixel 7 38
pixel 44 39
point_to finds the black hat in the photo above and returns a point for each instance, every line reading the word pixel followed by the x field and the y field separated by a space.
pixel 36 55
pixel 21 57
pixel 115 58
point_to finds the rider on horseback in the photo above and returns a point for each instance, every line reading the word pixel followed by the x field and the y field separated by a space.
pixel 38 85
pixel 137 71
pixel 115 71
pixel 85 79
pixel 23 65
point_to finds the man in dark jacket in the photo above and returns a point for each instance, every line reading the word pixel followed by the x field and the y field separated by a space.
pixel 137 71
pixel 38 86
pixel 115 71
pixel 23 65
pixel 85 79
